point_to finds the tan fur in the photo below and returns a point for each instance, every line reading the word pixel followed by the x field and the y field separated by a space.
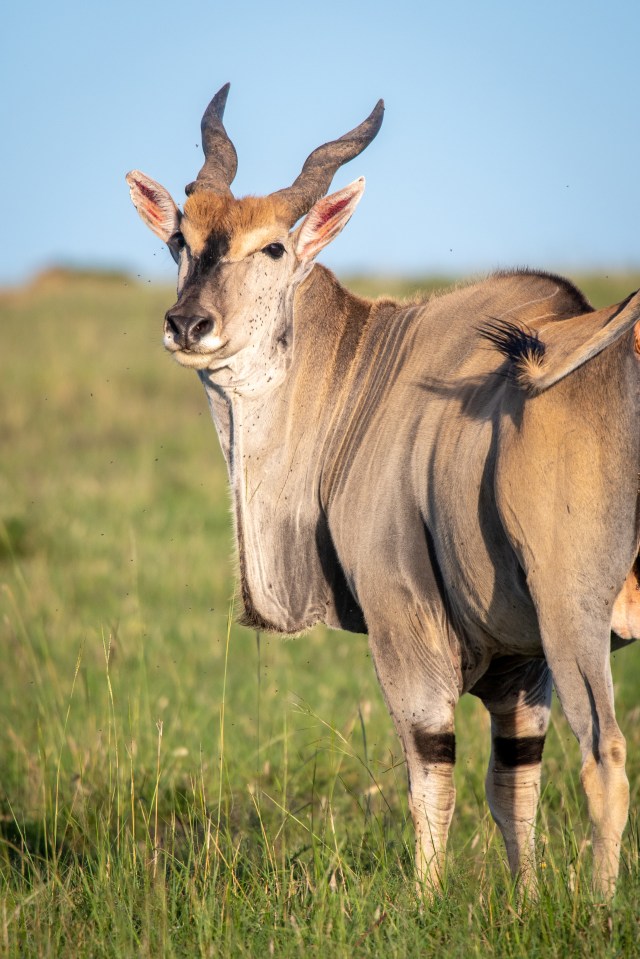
pixel 570 341
pixel 626 609
pixel 528 368
pixel 250 223
pixel 607 789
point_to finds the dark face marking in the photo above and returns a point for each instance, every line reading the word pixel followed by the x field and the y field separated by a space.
pixel 215 248
pixel 435 747
pixel 521 751
pixel 175 244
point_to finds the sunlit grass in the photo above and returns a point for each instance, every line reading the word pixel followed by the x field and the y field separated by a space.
pixel 175 786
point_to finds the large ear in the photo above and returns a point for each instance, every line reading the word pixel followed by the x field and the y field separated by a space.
pixel 326 219
pixel 154 204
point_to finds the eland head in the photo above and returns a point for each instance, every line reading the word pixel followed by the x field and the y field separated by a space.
pixel 240 260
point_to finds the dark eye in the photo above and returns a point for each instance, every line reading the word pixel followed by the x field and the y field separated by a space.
pixel 175 244
pixel 274 250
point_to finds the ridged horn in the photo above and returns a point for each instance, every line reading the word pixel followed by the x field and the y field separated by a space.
pixel 321 165
pixel 221 159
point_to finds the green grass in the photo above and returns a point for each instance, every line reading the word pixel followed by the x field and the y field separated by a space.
pixel 174 787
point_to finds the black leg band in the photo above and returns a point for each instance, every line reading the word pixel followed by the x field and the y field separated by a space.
pixel 435 747
pixel 520 751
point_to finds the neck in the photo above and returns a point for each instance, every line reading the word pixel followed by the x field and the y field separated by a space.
pixel 275 446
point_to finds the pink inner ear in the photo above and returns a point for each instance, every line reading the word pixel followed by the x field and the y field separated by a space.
pixel 327 218
pixel 328 211
pixel 149 194
pixel 154 207
pixel 146 191
pixel 154 204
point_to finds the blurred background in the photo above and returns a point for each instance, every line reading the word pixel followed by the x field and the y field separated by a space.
pixel 511 134
pixel 134 722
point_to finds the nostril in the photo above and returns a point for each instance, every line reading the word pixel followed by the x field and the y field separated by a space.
pixel 172 324
pixel 197 328
pixel 200 326
pixel 185 330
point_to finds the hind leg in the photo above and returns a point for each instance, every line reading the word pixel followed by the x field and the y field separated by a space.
pixel 582 677
pixel 518 697
pixel 575 625
pixel 567 490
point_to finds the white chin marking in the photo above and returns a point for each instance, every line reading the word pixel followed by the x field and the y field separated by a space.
pixel 195 361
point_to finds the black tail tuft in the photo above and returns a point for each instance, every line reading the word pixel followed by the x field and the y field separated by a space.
pixel 520 345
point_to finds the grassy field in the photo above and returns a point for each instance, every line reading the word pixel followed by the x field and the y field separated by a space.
pixel 174 786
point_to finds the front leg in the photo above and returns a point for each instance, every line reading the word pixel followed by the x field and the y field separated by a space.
pixel 414 665
pixel 430 760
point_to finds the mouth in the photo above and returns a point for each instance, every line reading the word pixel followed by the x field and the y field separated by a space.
pixel 200 360
pixel 201 356
pixel 194 361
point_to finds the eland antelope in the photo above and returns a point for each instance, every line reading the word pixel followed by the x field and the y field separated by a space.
pixel 456 477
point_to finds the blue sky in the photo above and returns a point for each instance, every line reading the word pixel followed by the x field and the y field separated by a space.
pixel 511 134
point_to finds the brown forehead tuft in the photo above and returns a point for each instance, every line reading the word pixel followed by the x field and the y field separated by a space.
pixel 206 212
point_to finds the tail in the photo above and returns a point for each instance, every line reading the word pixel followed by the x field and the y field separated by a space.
pixel 539 358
